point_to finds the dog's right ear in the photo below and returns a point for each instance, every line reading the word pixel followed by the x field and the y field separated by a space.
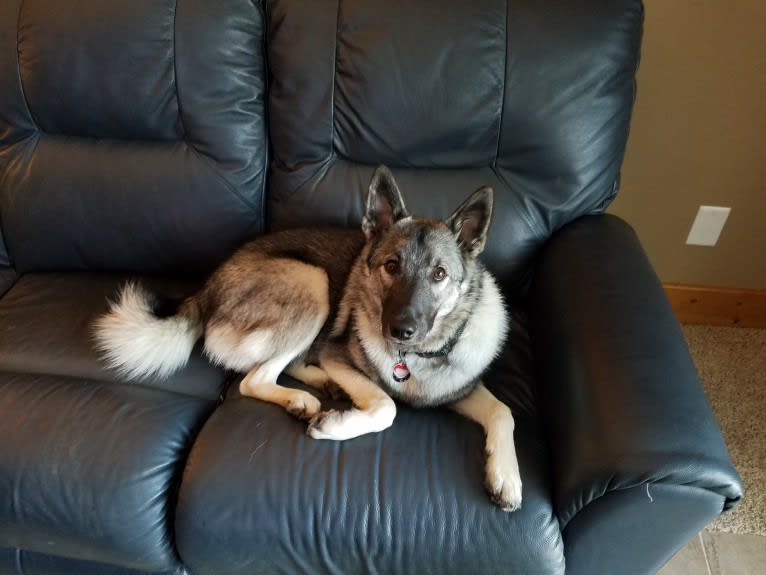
pixel 470 222
pixel 384 203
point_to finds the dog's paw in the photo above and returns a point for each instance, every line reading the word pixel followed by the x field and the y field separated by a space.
pixel 322 424
pixel 503 482
pixel 304 406
pixel 350 423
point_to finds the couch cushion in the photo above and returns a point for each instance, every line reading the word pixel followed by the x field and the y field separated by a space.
pixel 20 562
pixel 88 470
pixel 133 132
pixel 533 98
pixel 407 500
pixel 46 322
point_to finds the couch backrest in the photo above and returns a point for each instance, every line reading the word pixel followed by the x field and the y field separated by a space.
pixel 132 132
pixel 533 98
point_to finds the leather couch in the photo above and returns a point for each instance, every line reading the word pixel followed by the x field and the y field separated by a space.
pixel 151 137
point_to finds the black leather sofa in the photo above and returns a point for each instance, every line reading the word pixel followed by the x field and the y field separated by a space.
pixel 150 137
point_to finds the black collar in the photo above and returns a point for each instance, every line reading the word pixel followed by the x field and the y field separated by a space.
pixel 448 346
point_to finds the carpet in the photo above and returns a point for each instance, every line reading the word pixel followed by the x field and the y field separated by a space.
pixel 731 363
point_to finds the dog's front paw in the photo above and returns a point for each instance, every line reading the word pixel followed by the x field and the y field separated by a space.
pixel 503 482
pixel 350 423
pixel 321 425
pixel 303 406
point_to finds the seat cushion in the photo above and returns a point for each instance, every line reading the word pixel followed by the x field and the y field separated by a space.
pixel 407 500
pixel 20 562
pixel 45 328
pixel 88 469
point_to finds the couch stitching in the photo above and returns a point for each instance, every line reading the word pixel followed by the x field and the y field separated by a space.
pixel 18 68
pixel 209 162
pixel 175 75
pixel 502 91
pixel 331 153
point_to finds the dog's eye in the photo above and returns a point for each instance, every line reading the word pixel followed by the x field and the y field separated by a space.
pixel 391 266
pixel 439 274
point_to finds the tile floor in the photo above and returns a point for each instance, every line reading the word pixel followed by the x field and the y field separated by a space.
pixel 711 553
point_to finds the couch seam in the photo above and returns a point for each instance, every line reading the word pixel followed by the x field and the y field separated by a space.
pixel 209 162
pixel 331 153
pixel 18 561
pixel 266 131
pixel 503 89
pixel 523 213
pixel 173 489
pixel 18 69
pixel 175 75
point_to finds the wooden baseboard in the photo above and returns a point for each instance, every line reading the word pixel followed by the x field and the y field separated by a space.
pixel 718 306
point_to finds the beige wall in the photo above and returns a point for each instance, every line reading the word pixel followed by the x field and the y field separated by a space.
pixel 699 137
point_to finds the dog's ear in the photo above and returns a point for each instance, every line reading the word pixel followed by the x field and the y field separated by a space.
pixel 384 203
pixel 470 222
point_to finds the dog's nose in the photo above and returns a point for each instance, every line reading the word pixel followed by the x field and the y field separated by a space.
pixel 402 331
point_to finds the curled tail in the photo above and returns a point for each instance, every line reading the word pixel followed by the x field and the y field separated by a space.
pixel 137 343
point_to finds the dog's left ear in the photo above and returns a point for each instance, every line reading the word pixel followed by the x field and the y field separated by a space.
pixel 470 222
pixel 385 205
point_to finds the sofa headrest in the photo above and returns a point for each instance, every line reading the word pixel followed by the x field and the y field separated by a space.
pixel 532 98
pixel 133 132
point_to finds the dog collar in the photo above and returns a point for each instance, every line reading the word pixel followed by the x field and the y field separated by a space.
pixel 447 347
pixel 401 372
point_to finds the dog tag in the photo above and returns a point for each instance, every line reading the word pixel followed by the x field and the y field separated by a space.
pixel 401 372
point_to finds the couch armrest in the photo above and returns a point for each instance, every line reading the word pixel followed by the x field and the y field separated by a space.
pixel 626 417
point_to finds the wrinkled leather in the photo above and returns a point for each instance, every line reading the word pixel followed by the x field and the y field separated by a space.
pixel 624 407
pixel 133 133
pixel 636 529
pixel 407 500
pixel 88 469
pixel 20 562
pixel 46 323
pixel 59 70
pixel 533 98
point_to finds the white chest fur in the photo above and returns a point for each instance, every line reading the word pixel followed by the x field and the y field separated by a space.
pixel 432 380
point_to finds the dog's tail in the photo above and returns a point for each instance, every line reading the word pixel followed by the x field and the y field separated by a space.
pixel 139 344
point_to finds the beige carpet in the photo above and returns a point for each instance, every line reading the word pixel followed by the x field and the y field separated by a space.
pixel 732 366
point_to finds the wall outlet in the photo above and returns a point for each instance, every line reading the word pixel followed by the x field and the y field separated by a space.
pixel 707 226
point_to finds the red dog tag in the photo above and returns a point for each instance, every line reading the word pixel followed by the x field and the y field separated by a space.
pixel 401 372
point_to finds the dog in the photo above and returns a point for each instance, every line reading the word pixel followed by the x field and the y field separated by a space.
pixel 402 310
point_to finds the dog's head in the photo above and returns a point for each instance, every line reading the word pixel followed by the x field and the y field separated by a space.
pixel 422 267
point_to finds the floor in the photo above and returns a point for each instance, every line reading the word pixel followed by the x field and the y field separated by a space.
pixel 731 362
pixel 711 553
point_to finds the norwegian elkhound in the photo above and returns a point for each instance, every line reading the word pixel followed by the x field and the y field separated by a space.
pixel 403 310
